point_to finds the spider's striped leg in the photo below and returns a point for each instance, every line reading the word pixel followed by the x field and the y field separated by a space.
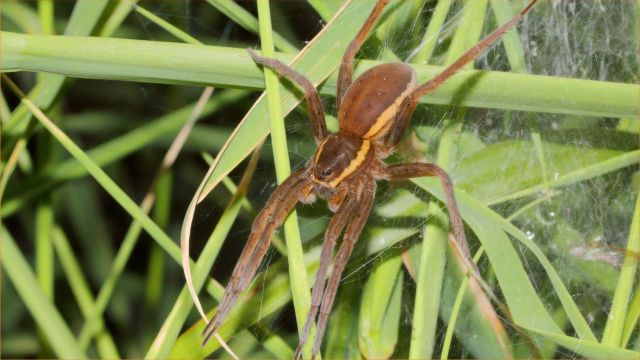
pixel 356 224
pixel 468 56
pixel 282 201
pixel 335 227
pixel 411 170
pixel 345 74
pixel 314 103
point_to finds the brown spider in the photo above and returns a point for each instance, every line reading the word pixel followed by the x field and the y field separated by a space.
pixel 373 114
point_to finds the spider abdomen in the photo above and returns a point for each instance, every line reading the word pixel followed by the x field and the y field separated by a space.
pixel 375 101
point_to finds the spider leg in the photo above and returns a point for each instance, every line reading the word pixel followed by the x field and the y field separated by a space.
pixel 356 224
pixel 282 201
pixel 411 170
pixel 468 56
pixel 345 73
pixel 314 103
pixel 335 227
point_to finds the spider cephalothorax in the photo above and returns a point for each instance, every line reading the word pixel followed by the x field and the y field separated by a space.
pixel 373 113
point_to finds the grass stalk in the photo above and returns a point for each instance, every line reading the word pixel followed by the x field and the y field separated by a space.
pixel 139 60
pixel 43 311
pixel 249 22
pixel 93 325
pixel 428 293
pixel 45 265
pixel 515 54
pixel 108 184
pixel 299 283
pixel 84 18
pixel 164 341
pixel 423 53
pixel 81 290
pixel 116 149
pixel 46 14
pixel 596 169
pixel 614 327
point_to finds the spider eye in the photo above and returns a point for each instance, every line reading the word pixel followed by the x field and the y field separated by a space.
pixel 325 173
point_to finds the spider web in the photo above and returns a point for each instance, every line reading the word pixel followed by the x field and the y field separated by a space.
pixel 583 227
pixel 580 227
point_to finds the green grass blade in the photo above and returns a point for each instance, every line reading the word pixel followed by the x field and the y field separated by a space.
pixel 81 290
pixel 45 266
pixel 43 311
pixel 174 63
pixel 84 17
pixel 165 340
pixel 511 275
pixel 631 322
pixel 613 330
pixel 299 283
pixel 589 349
pixel 451 325
pixel 134 230
pixel 427 299
pixel 118 148
pixel 245 19
pixel 342 330
pixel 107 183
pixel 587 172
pixel 515 54
pixel 119 13
pixel 379 319
pixel 430 38
pixel 22 15
pixel 468 32
pixel 170 28
pixel 269 293
pixel 45 12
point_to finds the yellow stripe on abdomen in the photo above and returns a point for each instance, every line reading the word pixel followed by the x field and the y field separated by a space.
pixel 382 122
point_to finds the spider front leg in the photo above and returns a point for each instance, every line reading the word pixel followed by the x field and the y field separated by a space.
pixel 468 56
pixel 282 201
pixel 354 228
pixel 365 203
pixel 345 73
pixel 343 214
pixel 411 170
pixel 314 103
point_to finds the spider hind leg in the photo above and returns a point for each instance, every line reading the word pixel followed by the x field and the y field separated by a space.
pixel 343 214
pixel 355 210
pixel 411 170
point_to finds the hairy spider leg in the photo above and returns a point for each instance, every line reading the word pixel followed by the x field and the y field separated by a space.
pixel 314 103
pixel 334 229
pixel 365 204
pixel 468 56
pixel 412 170
pixel 345 74
pixel 279 205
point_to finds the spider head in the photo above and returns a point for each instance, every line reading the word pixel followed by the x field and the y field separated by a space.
pixel 339 156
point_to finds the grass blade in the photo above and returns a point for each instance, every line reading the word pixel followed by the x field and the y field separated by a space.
pixel 174 63
pixel 299 284
pixel 43 311
pixel 613 330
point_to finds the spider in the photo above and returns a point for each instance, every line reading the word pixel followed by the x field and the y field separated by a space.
pixel 373 113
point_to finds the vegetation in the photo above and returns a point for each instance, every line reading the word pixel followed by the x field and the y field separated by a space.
pixel 542 140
